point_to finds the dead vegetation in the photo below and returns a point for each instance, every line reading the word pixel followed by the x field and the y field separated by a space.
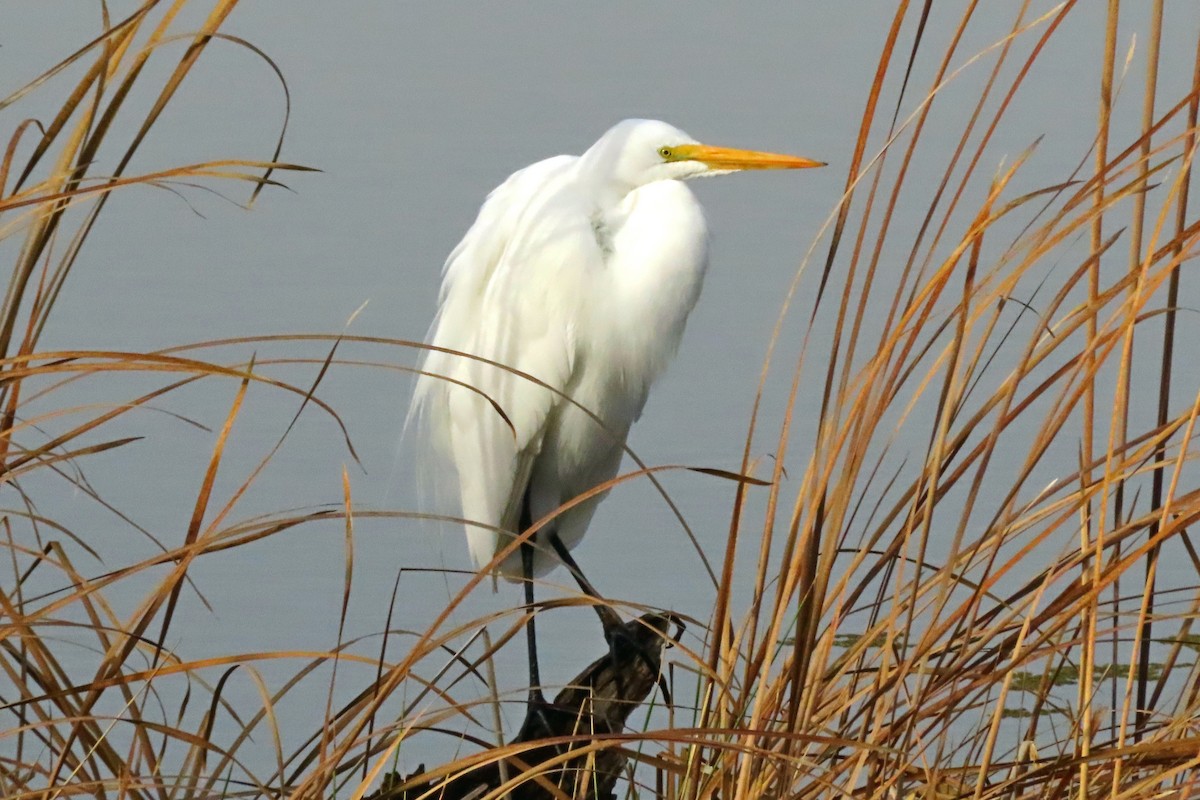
pixel 986 615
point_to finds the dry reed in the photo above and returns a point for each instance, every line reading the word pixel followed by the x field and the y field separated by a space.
pixel 953 620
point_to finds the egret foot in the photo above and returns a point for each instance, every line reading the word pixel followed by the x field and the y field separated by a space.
pixel 621 678
pixel 622 643
pixel 625 644
pixel 544 720
pixel 593 704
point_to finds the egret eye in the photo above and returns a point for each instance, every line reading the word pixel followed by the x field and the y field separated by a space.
pixel 665 152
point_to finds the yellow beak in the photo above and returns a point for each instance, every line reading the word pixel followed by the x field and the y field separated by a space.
pixel 731 158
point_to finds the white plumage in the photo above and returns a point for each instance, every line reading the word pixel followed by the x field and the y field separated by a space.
pixel 580 272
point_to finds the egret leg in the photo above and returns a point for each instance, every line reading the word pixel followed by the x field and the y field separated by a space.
pixel 536 698
pixel 615 632
pixel 608 618
pixel 537 722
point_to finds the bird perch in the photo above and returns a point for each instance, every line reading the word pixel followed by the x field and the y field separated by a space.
pixel 595 704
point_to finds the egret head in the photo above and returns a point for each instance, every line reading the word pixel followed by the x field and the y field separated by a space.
pixel 640 151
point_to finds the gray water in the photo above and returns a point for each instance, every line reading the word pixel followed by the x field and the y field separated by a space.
pixel 413 112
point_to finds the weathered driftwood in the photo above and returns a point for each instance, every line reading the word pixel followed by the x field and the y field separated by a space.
pixel 597 702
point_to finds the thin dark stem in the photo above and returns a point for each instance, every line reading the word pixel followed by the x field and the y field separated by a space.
pixel 1145 704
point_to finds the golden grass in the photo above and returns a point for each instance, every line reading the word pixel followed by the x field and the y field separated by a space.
pixel 954 620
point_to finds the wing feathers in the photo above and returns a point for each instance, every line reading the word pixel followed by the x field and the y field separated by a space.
pixel 510 293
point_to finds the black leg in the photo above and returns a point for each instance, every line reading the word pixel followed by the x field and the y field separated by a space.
pixel 620 642
pixel 608 617
pixel 537 724
pixel 535 678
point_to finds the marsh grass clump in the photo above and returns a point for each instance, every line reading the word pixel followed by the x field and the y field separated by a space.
pixel 970 574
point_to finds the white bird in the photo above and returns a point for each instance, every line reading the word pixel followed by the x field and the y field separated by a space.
pixel 580 271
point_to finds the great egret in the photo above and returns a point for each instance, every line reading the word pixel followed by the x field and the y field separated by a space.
pixel 580 271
